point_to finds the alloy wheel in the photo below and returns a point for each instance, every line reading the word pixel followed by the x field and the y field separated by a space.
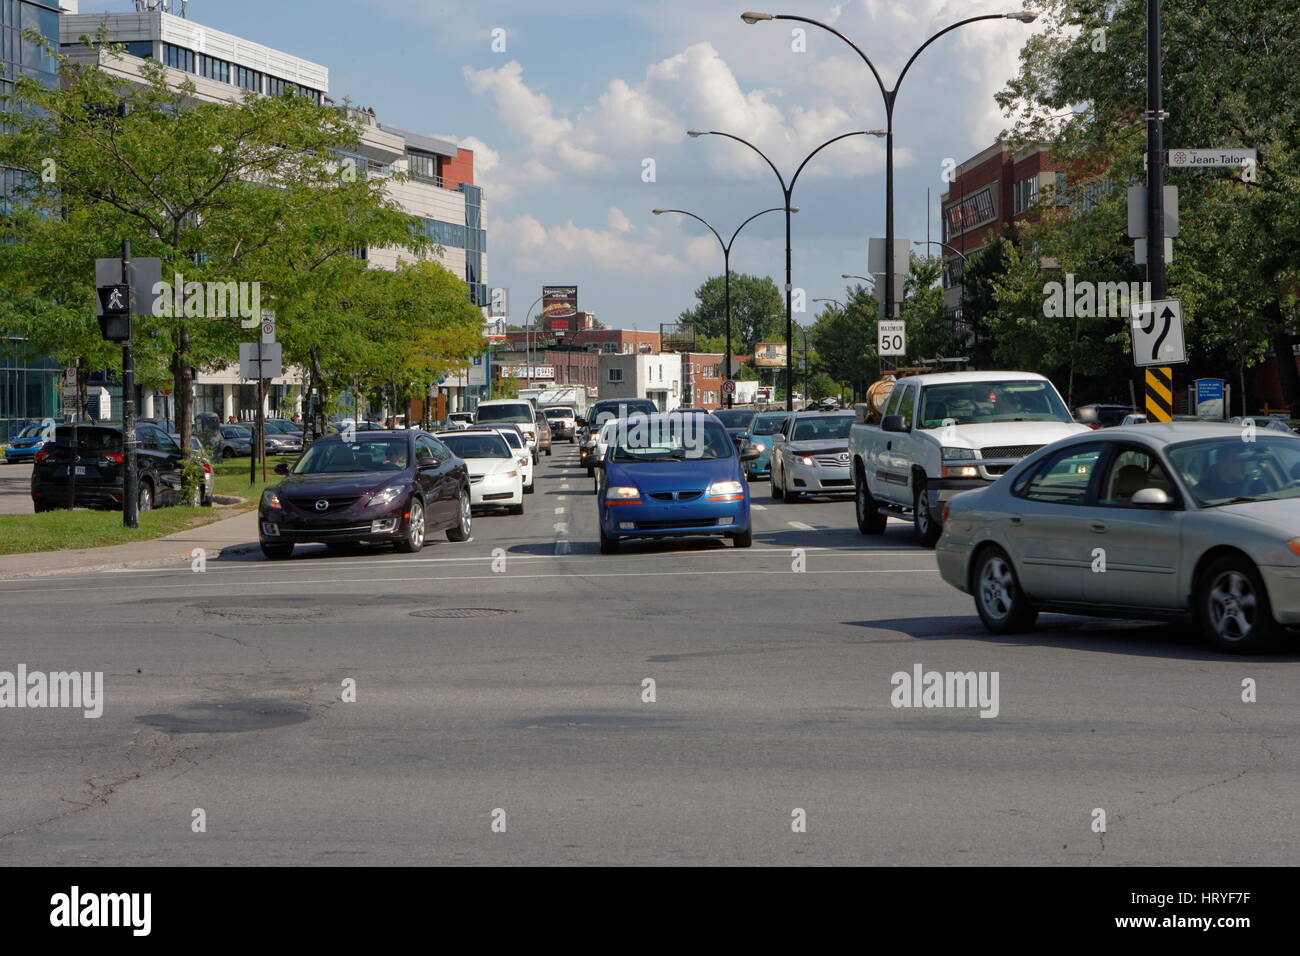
pixel 996 588
pixel 1232 606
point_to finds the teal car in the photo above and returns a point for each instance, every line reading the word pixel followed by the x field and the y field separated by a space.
pixel 761 430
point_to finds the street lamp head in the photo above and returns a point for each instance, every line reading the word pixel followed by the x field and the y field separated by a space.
pixel 1024 16
pixel 794 208
pixel 658 212
pixel 877 132
pixel 696 132
pixel 751 17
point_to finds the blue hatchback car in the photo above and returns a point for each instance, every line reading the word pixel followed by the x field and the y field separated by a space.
pixel 672 475
pixel 759 433
pixel 25 445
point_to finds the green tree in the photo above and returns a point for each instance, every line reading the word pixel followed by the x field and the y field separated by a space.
pixel 209 188
pixel 1229 75
pixel 844 340
pixel 757 311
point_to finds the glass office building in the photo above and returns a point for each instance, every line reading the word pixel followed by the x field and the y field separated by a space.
pixel 29 382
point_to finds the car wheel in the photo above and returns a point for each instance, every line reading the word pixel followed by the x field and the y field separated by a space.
pixel 1001 604
pixel 277 552
pixel 144 501
pixel 608 545
pixel 743 539
pixel 460 532
pixel 548 451
pixel 530 487
pixel 227 454
pixel 778 492
pixel 591 472
pixel 1233 607
pixel 870 520
pixel 515 509
pixel 924 522
pixel 413 540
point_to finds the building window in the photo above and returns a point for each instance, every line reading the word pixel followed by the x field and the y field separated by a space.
pixel 615 376
pixel 1024 194
pixel 248 79
pixel 970 212
pixel 178 58
pixel 423 167
pixel 609 348
pixel 213 68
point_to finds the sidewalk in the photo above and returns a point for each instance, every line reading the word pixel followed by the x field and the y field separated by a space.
pixel 231 536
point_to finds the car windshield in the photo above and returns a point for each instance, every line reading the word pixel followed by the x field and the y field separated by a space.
pixel 31 431
pixel 684 438
pixel 966 403
pixel 333 457
pixel 822 429
pixel 512 438
pixel 238 433
pixel 1224 471
pixel 477 446
pixel 513 413
pixel 603 411
pixel 558 412
pixel 734 417
pixel 766 424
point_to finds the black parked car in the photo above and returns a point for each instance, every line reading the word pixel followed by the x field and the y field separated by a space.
pixel 383 487
pixel 94 472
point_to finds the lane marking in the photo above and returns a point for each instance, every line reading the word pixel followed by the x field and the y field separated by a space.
pixel 561 527
pixel 559 511
pixel 801 526
pixel 369 582
pixel 754 507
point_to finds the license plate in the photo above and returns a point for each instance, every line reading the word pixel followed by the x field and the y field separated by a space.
pixel 79 470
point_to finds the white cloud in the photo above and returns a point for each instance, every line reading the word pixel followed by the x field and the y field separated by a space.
pixel 617 220
pixel 533 247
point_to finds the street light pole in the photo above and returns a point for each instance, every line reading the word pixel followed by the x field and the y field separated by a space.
pixel 726 261
pixel 890 96
pixel 787 191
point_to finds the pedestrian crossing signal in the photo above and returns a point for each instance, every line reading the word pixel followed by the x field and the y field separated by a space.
pixel 115 308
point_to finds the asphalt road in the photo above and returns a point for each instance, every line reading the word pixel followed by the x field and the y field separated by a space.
pixel 223 693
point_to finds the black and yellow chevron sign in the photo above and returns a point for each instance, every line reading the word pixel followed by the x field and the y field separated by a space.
pixel 1160 393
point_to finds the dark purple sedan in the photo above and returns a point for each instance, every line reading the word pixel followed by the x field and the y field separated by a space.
pixel 383 487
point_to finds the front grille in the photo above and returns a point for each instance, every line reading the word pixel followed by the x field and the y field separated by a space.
pixel 675 495
pixel 675 523
pixel 1008 451
pixel 836 482
pixel 334 504
pixel 830 461
pixel 998 469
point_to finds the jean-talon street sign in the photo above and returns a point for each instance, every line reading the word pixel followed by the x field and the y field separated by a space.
pixel 1211 157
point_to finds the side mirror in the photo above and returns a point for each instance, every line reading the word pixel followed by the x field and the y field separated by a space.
pixel 430 462
pixel 893 423
pixel 750 453
pixel 282 468
pixel 1153 497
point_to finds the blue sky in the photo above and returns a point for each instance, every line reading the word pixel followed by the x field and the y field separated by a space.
pixel 586 91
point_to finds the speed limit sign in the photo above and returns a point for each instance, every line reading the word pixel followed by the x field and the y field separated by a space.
pixel 891 337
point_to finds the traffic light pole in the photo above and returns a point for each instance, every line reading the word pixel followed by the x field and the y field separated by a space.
pixel 130 480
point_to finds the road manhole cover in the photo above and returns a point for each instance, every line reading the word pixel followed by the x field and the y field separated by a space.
pixel 462 612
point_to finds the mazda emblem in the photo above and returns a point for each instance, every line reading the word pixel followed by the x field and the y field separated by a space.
pixel 322 505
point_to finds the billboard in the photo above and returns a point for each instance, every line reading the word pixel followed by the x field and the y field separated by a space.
pixel 528 371
pixel 559 302
pixel 770 354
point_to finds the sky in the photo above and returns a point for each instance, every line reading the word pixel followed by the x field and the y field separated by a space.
pixel 577 111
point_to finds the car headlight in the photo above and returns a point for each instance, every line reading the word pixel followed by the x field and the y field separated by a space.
pixel 270 499
pixel 759 446
pixel 622 493
pixel 385 497
pixel 805 460
pixel 951 454
pixel 726 491
pixel 512 474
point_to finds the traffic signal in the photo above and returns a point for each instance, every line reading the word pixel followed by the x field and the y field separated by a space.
pixel 115 309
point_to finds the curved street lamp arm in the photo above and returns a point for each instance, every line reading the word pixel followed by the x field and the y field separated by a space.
pixel 856 48
pixel 748 221
pixel 703 220
pixel 947 29
pixel 780 178
pixel 859 132
pixel 950 248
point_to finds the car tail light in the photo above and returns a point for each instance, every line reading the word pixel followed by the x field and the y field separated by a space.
pixel 944 519
pixel 114 456
pixel 207 468
pixel 1294 545
pixel 41 455
pixel 1094 426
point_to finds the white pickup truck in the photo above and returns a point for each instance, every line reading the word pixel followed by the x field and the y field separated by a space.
pixel 946 433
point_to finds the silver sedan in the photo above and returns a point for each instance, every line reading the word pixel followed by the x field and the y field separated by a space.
pixel 1170 521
